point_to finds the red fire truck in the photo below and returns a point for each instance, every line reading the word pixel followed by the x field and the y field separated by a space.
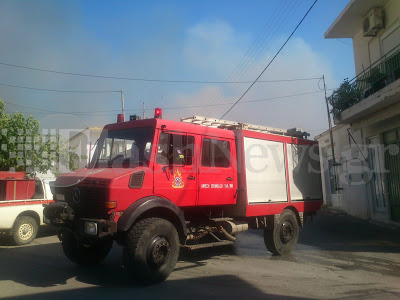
pixel 156 185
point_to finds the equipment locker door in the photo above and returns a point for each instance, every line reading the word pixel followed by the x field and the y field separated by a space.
pixel 217 175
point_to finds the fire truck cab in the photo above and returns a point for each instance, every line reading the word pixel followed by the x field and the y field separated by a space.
pixel 156 185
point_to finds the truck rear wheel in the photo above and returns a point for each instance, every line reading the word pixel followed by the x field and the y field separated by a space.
pixel 87 255
pixel 24 230
pixel 283 238
pixel 152 250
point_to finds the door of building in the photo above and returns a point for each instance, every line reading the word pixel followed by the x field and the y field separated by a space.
pixel 392 163
pixel 377 180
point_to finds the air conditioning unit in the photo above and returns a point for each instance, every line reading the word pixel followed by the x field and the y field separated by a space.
pixel 373 22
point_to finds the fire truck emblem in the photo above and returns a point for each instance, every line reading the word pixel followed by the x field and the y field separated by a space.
pixel 177 182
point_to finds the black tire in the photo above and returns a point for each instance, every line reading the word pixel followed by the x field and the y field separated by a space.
pixel 24 230
pixel 152 250
pixel 283 238
pixel 85 255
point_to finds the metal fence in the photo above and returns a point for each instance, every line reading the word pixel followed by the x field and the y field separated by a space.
pixel 378 75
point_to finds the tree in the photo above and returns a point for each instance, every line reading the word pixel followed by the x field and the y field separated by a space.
pixel 345 96
pixel 24 148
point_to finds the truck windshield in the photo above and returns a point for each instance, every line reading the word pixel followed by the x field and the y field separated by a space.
pixel 123 148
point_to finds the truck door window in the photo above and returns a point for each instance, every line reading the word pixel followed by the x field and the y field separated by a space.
pixel 39 194
pixel 215 153
pixel 175 149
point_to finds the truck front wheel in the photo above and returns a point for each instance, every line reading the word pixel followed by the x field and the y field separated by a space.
pixel 283 238
pixel 24 230
pixel 82 254
pixel 152 250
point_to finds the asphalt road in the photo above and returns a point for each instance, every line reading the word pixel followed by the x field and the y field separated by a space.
pixel 338 257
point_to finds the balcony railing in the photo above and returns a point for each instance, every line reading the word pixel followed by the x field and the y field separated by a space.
pixel 380 74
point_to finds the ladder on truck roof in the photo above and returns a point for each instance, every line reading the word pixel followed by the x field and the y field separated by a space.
pixel 231 125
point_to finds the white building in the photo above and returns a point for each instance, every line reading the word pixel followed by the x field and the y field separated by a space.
pixel 367 116
pixel 84 142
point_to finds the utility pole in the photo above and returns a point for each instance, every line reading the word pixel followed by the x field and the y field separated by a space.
pixel 331 135
pixel 123 105
pixel 144 114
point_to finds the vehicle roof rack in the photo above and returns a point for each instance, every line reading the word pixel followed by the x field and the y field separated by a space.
pixel 231 125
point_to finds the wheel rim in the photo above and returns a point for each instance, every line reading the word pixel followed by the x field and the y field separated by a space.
pixel 286 232
pixel 158 251
pixel 25 231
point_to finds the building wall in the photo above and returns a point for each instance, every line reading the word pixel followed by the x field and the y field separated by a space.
pixel 357 195
pixel 359 147
pixel 367 50
pixel 351 196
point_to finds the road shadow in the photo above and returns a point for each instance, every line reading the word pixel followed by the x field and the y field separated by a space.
pixel 336 232
pixel 343 240
pixel 46 230
pixel 212 287
pixel 45 266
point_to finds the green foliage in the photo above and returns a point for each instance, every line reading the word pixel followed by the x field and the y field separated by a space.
pixel 24 148
pixel 344 97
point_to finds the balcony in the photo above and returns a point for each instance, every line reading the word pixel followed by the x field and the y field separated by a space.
pixel 357 97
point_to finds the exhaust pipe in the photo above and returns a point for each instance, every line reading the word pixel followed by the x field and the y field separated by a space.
pixel 234 227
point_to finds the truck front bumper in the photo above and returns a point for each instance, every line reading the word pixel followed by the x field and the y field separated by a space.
pixel 61 215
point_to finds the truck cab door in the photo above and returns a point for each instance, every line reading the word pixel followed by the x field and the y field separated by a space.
pixel 175 168
pixel 217 172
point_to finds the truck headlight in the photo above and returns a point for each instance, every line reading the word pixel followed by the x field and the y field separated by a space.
pixel 91 228
pixel 60 197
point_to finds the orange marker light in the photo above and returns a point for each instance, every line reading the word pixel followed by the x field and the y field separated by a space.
pixel 111 204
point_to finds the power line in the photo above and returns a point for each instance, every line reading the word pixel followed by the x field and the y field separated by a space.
pixel 55 90
pixel 249 59
pixel 167 108
pixel 145 79
pixel 248 101
pixel 351 44
pixel 281 25
pixel 287 40
pixel 30 107
pixel 273 31
pixel 344 42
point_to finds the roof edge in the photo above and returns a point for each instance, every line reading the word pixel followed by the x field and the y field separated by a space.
pixel 328 34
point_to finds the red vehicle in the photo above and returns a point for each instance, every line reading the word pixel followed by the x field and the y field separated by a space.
pixel 156 185
pixel 21 200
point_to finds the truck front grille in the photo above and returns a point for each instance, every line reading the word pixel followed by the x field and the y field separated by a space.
pixel 88 202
